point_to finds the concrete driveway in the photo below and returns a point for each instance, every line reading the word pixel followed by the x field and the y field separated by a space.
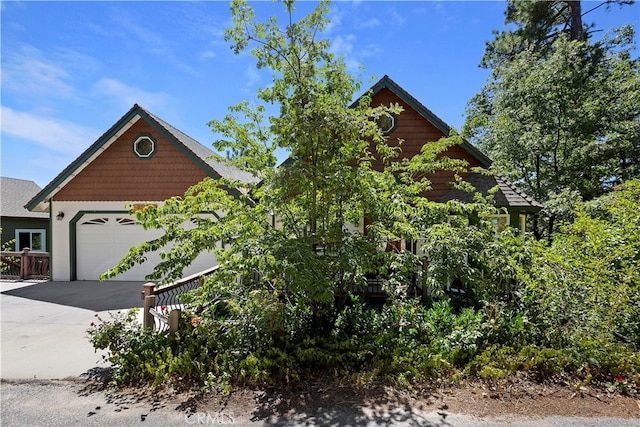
pixel 43 325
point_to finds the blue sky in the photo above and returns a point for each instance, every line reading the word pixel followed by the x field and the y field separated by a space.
pixel 70 70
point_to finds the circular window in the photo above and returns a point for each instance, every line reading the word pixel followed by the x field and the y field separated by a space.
pixel 386 122
pixel 144 147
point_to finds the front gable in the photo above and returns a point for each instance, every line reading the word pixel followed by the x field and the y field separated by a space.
pixel 121 173
pixel 416 126
pixel 113 168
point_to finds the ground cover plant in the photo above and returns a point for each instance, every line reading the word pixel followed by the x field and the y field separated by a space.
pixel 286 304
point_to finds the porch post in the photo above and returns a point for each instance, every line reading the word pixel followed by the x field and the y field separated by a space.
pixel 147 318
pixel 149 301
pixel 24 264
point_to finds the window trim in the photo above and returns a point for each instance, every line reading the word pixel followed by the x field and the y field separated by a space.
pixel 31 231
pixel 142 137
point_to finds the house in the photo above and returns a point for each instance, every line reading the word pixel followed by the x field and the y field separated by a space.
pixel 417 125
pixel 140 159
pixel 26 229
pixel 143 159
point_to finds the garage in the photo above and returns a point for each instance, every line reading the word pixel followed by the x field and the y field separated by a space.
pixel 104 239
pixel 141 159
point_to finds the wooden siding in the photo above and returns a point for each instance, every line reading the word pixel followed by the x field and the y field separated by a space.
pixel 416 131
pixel 119 175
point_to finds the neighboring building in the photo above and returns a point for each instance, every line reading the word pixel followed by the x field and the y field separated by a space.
pixel 26 229
pixel 141 159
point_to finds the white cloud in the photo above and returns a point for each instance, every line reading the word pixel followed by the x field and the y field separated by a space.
pixel 368 24
pixel 26 71
pixel 208 54
pixel 344 46
pixel 252 76
pixel 335 18
pixel 124 96
pixel 57 135
pixel 397 19
pixel 371 50
pixel 45 78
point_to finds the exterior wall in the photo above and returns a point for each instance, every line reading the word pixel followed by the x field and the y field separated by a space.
pixel 415 130
pixel 118 174
pixel 10 225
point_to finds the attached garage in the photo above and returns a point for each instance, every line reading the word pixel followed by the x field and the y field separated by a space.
pixel 141 159
pixel 102 240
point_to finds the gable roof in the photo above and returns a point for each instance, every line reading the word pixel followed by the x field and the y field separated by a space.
pixel 14 194
pixel 507 195
pixel 387 83
pixel 201 156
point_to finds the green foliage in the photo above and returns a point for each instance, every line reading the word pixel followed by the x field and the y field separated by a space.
pixel 562 118
pixel 403 343
pixel 586 284
pixel 539 24
pixel 7 246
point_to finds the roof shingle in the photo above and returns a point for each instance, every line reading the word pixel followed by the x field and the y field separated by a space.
pixel 507 196
pixel 14 195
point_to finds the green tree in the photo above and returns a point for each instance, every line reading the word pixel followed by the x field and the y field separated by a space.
pixel 587 283
pixel 560 118
pixel 540 23
pixel 292 229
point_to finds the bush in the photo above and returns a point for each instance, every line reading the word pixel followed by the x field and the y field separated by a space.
pixel 573 312
pixel 587 282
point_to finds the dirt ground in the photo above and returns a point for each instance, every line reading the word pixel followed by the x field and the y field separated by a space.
pixel 519 398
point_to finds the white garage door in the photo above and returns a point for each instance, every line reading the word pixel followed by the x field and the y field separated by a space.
pixel 103 239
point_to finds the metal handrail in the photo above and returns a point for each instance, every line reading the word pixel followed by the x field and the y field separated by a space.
pixel 169 296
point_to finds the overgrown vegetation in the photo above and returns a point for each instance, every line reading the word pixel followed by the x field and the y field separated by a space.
pixel 572 313
pixel 287 303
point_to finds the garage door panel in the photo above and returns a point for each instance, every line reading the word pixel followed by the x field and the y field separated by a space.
pixel 103 240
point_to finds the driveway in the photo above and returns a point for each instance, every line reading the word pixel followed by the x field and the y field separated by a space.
pixel 43 325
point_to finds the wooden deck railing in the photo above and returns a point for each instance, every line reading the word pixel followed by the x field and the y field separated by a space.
pixel 163 306
pixel 24 265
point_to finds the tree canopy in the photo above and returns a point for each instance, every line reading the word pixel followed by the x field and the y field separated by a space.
pixel 300 229
pixel 559 114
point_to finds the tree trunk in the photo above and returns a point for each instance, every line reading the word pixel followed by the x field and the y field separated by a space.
pixel 552 220
pixel 576 31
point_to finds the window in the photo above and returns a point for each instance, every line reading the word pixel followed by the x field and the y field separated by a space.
pixel 125 221
pixel 386 122
pixel 500 222
pixel 96 221
pixel 144 147
pixel 32 239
